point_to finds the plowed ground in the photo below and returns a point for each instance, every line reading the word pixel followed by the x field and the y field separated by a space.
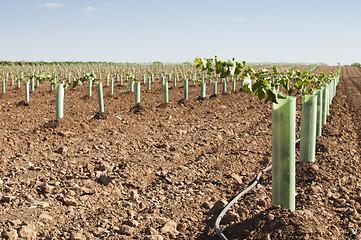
pixel 156 172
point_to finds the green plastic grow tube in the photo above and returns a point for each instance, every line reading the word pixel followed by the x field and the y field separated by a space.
pixel 59 100
pixel 283 153
pixel 165 92
pixel 100 97
pixel 308 128
pixel 319 112
pixel 137 93
pixel 324 104
pixel 185 88
pixel 203 90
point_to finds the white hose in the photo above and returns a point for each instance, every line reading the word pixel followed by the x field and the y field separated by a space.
pixel 234 200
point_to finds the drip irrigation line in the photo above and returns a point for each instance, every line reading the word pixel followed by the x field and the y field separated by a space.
pixel 234 200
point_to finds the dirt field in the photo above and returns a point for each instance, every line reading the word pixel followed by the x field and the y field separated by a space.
pixel 164 171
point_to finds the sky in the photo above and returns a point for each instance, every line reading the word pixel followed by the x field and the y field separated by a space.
pixel 292 31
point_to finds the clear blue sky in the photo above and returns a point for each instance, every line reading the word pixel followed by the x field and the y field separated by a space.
pixel 179 30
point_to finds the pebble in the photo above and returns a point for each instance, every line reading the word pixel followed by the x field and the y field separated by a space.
pixel 127 230
pixel 151 231
pixel 77 236
pixel 61 150
pixel 105 180
pixel 10 234
pixel 45 216
pixel 28 232
pixel 154 237
pixel 134 195
pixel 7 198
pixel 46 188
pixel 132 223
pixel 181 227
pixel 16 222
pixel 169 227
pixel 315 167
pixel 70 201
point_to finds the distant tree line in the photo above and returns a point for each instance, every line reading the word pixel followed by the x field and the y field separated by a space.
pixel 356 64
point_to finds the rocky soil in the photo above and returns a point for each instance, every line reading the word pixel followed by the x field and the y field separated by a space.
pixel 166 171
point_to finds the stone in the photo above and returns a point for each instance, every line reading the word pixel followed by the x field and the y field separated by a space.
pixel 315 167
pixel 77 236
pixel 7 198
pixel 169 227
pixel 132 223
pixel 45 216
pixel 237 178
pixel 46 188
pixel 10 234
pixel 151 231
pixel 154 237
pixel 16 222
pixel 87 191
pixel 105 180
pixel 134 195
pixel 28 232
pixel 181 227
pixel 127 230
pixel 61 150
pixel 70 201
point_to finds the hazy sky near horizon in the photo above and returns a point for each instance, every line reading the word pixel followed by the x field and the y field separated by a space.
pixel 180 30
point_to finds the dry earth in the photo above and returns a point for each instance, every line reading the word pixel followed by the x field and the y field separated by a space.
pixel 165 171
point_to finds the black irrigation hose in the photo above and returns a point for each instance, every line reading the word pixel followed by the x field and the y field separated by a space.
pixel 234 200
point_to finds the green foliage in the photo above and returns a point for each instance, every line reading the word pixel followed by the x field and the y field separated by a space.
pixel 86 77
pixel 270 85
pixel 356 64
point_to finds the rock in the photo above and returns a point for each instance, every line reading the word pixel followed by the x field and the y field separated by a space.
pixel 28 232
pixel 237 178
pixel 262 202
pixel 134 195
pixel 219 137
pixel 132 223
pixel 127 230
pixel 105 180
pixel 10 234
pixel 151 231
pixel 218 207
pixel 87 191
pixel 315 167
pixel 306 237
pixel 352 231
pixel 106 167
pixel 169 227
pixel 61 150
pixel 7 198
pixel 45 188
pixel 181 227
pixel 16 222
pixel 77 236
pixel 154 237
pixel 70 201
pixel 45 216
pixel 230 217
